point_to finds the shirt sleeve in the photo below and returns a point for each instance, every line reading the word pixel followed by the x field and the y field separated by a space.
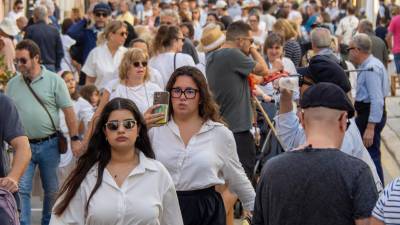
pixel 171 214
pixel 378 211
pixel 89 68
pixel 290 130
pixel 374 87
pixel 11 123
pixel 244 65
pixel 74 213
pixel 233 171
pixel 364 194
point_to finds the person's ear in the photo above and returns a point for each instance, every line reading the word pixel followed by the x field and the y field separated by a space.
pixel 343 122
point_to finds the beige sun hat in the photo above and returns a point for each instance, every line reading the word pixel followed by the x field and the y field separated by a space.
pixel 212 38
pixel 9 27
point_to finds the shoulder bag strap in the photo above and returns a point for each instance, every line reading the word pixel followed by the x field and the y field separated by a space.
pixel 40 102
pixel 175 61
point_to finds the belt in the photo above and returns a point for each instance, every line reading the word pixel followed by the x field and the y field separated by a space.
pixel 38 140
pixel 196 192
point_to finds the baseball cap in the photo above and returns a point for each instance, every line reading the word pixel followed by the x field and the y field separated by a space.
pixel 102 7
pixel 327 95
pixel 323 69
pixel 221 4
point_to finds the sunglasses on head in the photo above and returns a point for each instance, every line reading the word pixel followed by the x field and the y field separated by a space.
pixel 113 125
pixel 20 60
pixel 138 64
pixel 101 14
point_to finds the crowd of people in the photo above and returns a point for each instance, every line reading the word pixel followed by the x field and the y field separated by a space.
pixel 242 78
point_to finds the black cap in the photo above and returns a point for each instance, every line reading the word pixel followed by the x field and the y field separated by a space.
pixel 323 69
pixel 327 95
pixel 102 7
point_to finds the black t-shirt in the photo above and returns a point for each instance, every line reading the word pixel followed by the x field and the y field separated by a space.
pixel 227 70
pixel 314 186
pixel 10 127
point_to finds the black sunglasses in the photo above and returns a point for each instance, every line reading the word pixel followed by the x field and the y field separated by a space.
pixel 113 125
pixel 348 49
pixel 100 14
pixel 20 60
pixel 138 64
pixel 190 93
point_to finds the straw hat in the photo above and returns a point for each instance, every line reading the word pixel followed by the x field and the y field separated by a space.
pixel 212 38
pixel 9 27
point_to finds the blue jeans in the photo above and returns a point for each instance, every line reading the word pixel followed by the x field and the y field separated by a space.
pixel 46 156
pixel 397 62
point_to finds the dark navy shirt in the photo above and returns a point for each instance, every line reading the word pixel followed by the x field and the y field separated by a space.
pixel 48 39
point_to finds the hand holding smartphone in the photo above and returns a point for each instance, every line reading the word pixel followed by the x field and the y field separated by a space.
pixel 161 98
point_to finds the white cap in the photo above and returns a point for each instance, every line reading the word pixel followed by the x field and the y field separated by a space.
pixel 9 27
pixel 220 4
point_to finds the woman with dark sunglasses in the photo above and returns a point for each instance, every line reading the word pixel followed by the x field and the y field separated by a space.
pixel 117 180
pixel 133 83
pixel 198 150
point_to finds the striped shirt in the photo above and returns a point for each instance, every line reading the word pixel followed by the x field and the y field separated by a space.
pixel 387 208
pixel 292 51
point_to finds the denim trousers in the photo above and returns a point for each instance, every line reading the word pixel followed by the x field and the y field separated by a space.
pixel 45 155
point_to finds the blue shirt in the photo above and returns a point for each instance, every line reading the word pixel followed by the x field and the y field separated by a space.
pixel 373 87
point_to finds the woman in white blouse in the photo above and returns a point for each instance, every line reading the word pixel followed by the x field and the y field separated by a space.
pixel 103 61
pixel 133 83
pixel 167 44
pixel 198 150
pixel 117 180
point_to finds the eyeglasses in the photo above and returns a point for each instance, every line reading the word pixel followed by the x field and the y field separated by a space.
pixel 138 64
pixel 351 48
pixel 180 38
pixel 100 14
pixel 23 61
pixel 123 34
pixel 113 125
pixel 190 93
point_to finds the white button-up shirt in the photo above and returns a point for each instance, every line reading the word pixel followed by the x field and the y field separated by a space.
pixel 210 158
pixel 147 197
pixel 346 28
pixel 102 65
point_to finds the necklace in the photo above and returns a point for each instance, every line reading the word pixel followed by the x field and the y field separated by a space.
pixel 145 92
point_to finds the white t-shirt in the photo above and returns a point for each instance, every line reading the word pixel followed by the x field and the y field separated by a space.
pixel 141 95
pixel 14 16
pixel 147 197
pixel 156 77
pixel 84 112
pixel 66 63
pixel 346 28
pixel 102 65
pixel 164 63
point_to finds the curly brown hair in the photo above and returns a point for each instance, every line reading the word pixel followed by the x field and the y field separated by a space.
pixel 131 56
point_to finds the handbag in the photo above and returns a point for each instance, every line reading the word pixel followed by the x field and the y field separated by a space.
pixel 62 140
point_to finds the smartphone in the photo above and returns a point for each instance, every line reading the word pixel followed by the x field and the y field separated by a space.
pixel 161 98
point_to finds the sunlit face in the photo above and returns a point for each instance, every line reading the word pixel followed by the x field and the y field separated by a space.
pixel 211 19
pixel 353 53
pixel 137 69
pixel 95 98
pixel 121 130
pixel 24 63
pixel 101 19
pixel 119 36
pixel 70 82
pixel 253 21
pixel 275 52
pixel 187 103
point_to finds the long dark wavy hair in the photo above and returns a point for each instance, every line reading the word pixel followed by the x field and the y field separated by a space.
pixel 208 108
pixel 99 151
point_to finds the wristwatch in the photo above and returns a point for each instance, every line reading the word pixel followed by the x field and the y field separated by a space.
pixel 75 138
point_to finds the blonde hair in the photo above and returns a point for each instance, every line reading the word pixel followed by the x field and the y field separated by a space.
pixel 284 27
pixel 131 56
pixel 112 27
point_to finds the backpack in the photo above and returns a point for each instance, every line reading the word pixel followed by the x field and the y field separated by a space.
pixel 8 208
